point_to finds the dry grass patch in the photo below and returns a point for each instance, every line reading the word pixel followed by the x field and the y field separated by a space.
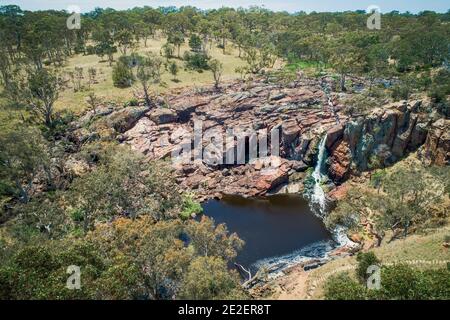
pixel 75 101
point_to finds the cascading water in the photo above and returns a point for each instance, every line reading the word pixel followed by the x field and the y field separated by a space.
pixel 317 195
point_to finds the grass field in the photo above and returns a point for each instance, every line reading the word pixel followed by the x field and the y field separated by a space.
pixel 75 101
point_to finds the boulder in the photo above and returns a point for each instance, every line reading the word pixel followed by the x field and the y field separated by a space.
pixel 163 116
pixel 400 143
pixel 124 119
pixel 353 132
pixel 266 182
pixel 277 96
pixel 290 131
pixel 418 135
pixel 298 166
pixel 185 106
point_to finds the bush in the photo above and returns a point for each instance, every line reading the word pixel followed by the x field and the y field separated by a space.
pixel 440 87
pixel 195 43
pixel 364 261
pixel 398 282
pixel 401 282
pixel 90 50
pixel 400 92
pixel 190 206
pixel 342 287
pixel 133 102
pixel 122 75
pixel 196 61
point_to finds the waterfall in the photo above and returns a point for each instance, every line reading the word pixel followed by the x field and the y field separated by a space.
pixel 318 200
pixel 316 253
pixel 317 195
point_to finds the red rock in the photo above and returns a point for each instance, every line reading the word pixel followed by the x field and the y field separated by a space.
pixel 290 131
pixel 162 116
pixel 339 192
pixel 334 134
pixel 356 237
pixel 340 161
pixel 437 144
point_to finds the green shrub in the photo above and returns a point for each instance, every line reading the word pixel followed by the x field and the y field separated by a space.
pixel 122 75
pixel 133 102
pixel 195 43
pixel 196 61
pixel 401 282
pixel 342 287
pixel 400 92
pixel 365 259
pixel 398 282
pixel 77 215
pixel 189 207
pixel 440 88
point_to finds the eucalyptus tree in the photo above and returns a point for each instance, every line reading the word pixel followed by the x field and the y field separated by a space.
pixel 216 68
pixel 149 73
pixel 177 39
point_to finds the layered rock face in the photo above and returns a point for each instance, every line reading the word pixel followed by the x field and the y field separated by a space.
pixel 437 146
pixel 378 139
pixel 293 114
pixel 291 120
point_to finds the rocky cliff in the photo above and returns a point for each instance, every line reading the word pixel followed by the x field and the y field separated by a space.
pixel 301 113
pixel 376 140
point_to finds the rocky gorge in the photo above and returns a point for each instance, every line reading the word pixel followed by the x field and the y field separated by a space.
pixel 301 113
pixel 306 118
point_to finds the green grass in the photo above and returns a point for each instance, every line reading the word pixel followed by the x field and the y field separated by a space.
pixel 75 101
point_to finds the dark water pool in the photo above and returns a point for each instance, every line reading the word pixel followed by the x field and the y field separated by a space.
pixel 276 229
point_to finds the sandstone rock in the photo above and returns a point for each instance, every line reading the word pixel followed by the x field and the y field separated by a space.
pixel 267 182
pixel 185 106
pixel 290 131
pixel 163 115
pixel 334 134
pixel 299 165
pixel 356 237
pixel 124 119
pixel 339 192
pixel 418 135
pixel 387 127
pixel 340 161
pixel 437 145
pixel 297 113
pixel 194 181
pixel 353 132
pixel 400 143
pixel 258 165
pixel 277 96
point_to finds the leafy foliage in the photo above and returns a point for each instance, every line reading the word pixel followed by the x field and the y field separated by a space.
pixel 398 282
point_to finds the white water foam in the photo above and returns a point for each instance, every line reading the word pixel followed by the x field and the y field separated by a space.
pixel 317 196
pixel 317 250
